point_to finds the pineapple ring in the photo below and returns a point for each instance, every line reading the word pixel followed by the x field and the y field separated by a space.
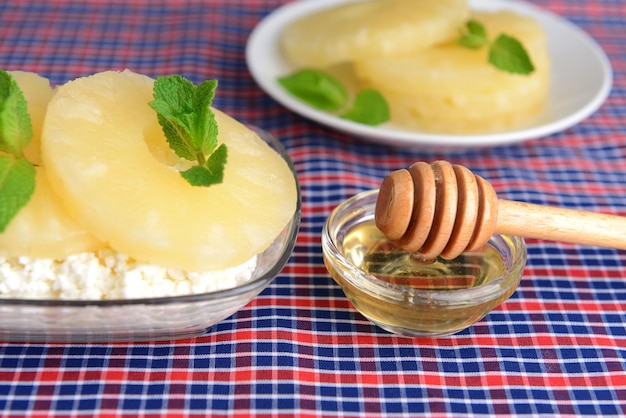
pixel 451 89
pixel 107 157
pixel 372 28
pixel 42 228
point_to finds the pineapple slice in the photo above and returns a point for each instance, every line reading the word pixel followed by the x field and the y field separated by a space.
pixel 42 228
pixel 107 158
pixel 451 89
pixel 371 28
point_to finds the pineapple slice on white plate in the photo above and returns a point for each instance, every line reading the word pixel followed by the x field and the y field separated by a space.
pixel 106 156
pixel 372 28
pixel 452 89
pixel 42 228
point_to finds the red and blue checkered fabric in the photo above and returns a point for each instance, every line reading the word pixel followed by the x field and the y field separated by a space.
pixel 557 347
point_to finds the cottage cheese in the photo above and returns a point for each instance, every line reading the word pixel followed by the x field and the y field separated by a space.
pixel 107 274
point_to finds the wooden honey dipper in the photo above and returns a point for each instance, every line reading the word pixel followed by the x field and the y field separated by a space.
pixel 440 209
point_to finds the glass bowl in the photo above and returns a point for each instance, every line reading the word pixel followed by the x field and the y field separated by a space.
pixel 152 319
pixel 409 296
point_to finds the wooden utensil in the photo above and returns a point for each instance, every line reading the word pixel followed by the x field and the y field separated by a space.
pixel 440 209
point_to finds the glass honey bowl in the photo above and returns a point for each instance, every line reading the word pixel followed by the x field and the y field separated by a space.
pixel 405 294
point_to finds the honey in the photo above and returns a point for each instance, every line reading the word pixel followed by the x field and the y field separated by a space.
pixel 368 249
pixel 407 295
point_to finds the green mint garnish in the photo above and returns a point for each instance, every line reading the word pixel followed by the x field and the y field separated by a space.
pixel 476 36
pixel 322 91
pixel 17 185
pixel 316 88
pixel 184 112
pixel 17 175
pixel 508 54
pixel 369 108
pixel 212 172
pixel 15 130
pixel 505 53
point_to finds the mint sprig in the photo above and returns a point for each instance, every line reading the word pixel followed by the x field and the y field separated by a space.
pixel 316 88
pixel 505 53
pixel 322 91
pixel 184 112
pixel 17 175
pixel 369 108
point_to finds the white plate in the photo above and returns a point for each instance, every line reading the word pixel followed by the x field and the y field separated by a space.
pixel 581 78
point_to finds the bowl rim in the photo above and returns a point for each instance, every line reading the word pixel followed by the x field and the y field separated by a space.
pixel 357 206
pixel 290 232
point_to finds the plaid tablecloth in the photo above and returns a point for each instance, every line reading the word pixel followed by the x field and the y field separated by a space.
pixel 557 347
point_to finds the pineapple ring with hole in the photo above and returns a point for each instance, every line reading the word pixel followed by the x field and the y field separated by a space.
pixel 372 28
pixel 451 89
pixel 42 228
pixel 109 160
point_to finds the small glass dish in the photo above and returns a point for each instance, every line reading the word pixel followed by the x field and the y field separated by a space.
pixel 409 296
pixel 150 319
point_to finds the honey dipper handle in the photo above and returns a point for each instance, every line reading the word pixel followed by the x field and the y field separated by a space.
pixel 561 224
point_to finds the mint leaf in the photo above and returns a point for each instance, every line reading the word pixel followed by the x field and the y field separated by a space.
pixel 173 104
pixel 212 172
pixel 317 88
pixel 508 54
pixel 476 28
pixel 178 137
pixel 472 41
pixel 369 108
pixel 475 37
pixel 505 53
pixel 204 125
pixel 15 126
pixel 17 175
pixel 199 176
pixel 184 112
pixel 216 163
pixel 17 185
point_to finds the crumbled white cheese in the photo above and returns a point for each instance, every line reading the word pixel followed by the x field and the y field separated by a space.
pixel 106 274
